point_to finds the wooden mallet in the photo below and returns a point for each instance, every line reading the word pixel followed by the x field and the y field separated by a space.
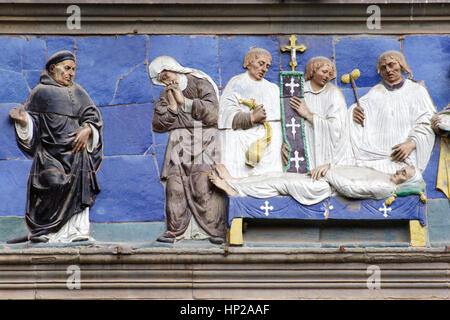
pixel 351 77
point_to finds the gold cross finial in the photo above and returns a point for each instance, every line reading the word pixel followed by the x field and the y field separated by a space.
pixel 293 48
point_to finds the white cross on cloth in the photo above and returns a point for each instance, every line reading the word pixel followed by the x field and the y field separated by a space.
pixel 292 84
pixel 297 159
pixel 385 210
pixel 266 208
pixel 293 125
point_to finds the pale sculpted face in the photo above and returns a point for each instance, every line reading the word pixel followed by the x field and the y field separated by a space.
pixel 322 76
pixel 169 77
pixel 391 71
pixel 63 72
pixel 403 174
pixel 258 68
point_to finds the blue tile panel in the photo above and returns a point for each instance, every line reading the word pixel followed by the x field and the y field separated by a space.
pixel 113 70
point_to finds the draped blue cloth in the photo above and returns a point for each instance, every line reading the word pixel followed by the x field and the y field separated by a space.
pixel 283 207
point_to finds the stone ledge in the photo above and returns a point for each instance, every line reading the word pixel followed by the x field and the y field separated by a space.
pixel 116 272
pixel 253 17
pixel 139 254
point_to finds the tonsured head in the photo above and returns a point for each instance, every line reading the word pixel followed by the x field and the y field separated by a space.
pixel 391 65
pixel 257 62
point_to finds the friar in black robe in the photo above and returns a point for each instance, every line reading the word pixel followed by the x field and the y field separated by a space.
pixel 65 143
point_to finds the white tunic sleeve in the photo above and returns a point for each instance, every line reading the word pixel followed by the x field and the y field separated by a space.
pixel 93 140
pixel 229 105
pixel 25 134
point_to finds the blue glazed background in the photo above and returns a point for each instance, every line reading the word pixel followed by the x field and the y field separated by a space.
pixel 113 70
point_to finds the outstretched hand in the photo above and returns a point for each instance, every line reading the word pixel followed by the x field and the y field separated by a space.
pixel 19 115
pixel 82 135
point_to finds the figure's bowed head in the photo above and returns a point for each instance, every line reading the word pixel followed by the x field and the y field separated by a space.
pixel 257 61
pixel 171 80
pixel 320 71
pixel 169 77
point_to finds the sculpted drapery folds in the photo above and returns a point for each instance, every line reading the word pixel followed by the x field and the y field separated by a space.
pixel 61 130
pixel 324 110
pixel 188 110
pixel 393 126
pixel 390 136
pixel 322 182
pixel 240 126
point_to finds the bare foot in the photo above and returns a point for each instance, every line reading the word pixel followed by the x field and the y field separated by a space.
pixel 19 115
pixel 221 183
pixel 223 172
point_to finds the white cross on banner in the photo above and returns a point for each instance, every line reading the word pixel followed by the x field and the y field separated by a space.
pixel 292 85
pixel 297 160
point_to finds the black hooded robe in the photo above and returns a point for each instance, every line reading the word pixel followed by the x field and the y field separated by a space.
pixel 61 183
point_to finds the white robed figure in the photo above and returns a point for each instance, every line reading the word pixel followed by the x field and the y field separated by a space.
pixel 394 127
pixel 324 110
pixel 240 127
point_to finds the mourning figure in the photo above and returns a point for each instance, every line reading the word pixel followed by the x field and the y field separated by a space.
pixel 324 110
pixel 392 128
pixel 241 125
pixel 60 128
pixel 188 109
